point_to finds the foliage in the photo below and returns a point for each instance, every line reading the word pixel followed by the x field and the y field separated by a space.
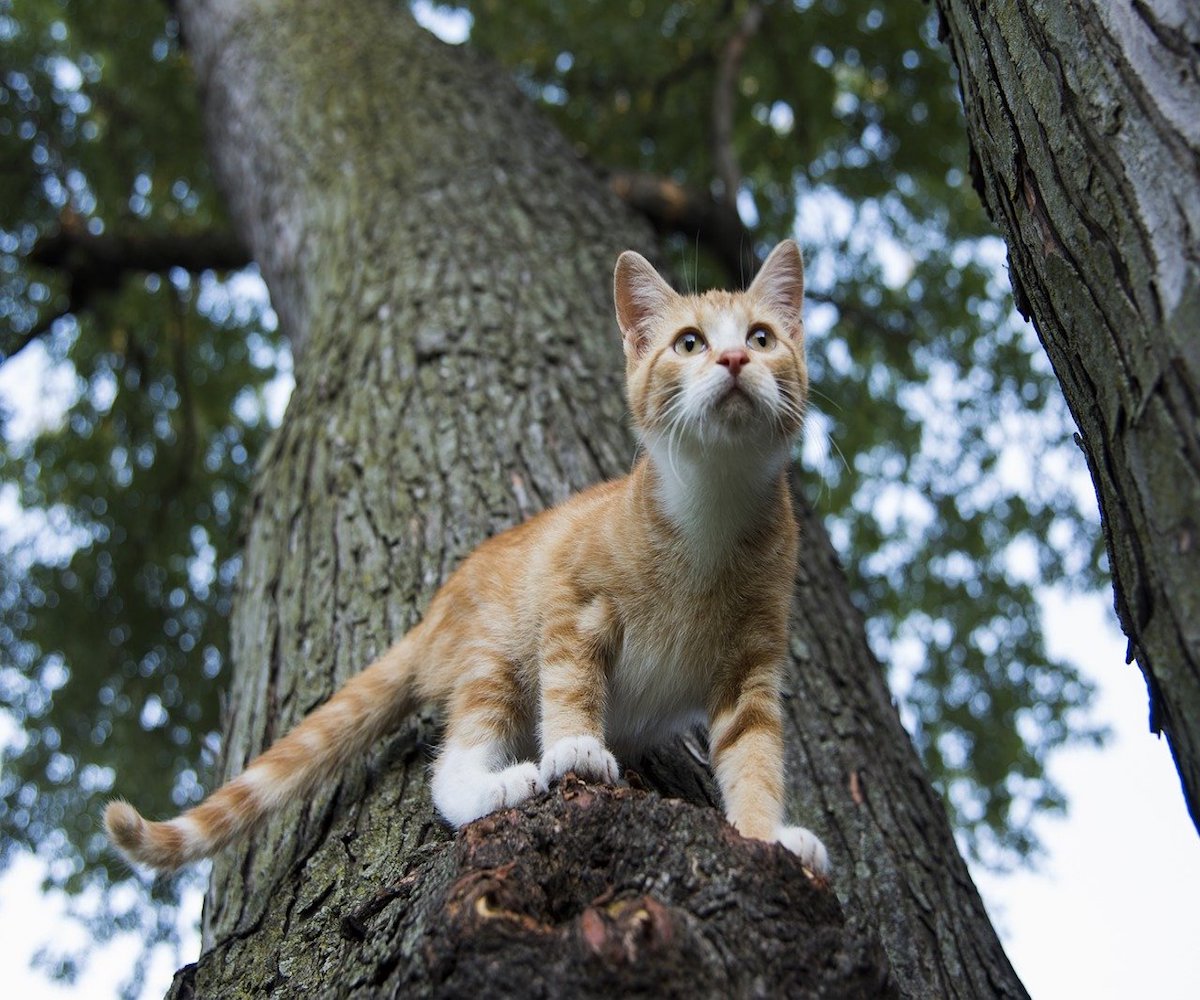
pixel 116 580
pixel 846 129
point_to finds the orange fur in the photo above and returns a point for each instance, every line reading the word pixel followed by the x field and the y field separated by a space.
pixel 637 608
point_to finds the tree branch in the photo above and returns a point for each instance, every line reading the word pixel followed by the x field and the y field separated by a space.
pixel 102 261
pixel 729 63
pixel 672 208
pixel 93 265
pixel 590 890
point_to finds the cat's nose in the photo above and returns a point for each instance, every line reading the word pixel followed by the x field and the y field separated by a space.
pixel 733 360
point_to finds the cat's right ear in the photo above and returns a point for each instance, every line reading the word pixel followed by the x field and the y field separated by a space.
pixel 640 295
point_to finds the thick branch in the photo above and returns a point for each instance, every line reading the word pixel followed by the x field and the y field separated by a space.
pixel 93 265
pixel 672 208
pixel 100 262
pixel 587 892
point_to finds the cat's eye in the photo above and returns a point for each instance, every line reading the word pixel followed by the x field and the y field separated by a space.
pixel 690 342
pixel 760 338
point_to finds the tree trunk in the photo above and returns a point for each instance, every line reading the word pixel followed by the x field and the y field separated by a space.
pixel 1085 146
pixel 443 263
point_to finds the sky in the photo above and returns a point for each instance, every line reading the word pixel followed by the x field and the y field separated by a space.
pixel 1111 912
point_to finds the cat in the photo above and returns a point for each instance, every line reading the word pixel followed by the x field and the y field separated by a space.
pixel 630 612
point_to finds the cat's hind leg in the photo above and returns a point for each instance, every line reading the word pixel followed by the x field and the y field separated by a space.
pixel 474 774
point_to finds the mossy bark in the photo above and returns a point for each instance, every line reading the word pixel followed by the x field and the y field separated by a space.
pixel 442 262
pixel 1085 144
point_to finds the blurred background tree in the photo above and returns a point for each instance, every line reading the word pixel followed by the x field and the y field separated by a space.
pixel 730 125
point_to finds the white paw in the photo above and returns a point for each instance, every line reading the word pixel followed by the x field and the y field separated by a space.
pixel 585 755
pixel 513 786
pixel 463 790
pixel 805 844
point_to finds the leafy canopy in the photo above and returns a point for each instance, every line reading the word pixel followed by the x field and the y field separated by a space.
pixel 122 497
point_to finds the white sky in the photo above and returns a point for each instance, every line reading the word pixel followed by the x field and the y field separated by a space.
pixel 1112 913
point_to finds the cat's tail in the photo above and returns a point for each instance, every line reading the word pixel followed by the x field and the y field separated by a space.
pixel 368 706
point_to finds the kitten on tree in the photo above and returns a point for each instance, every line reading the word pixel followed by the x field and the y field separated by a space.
pixel 589 633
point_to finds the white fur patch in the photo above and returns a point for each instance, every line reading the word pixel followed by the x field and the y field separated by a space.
pixel 267 789
pixel 195 844
pixel 592 621
pixel 725 333
pixel 465 785
pixel 310 739
pixel 807 845
pixel 585 755
pixel 713 501
pixel 657 688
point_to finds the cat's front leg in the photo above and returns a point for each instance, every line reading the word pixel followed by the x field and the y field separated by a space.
pixel 746 741
pixel 474 773
pixel 572 702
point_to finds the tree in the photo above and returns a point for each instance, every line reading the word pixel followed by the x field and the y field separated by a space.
pixel 119 641
pixel 1084 148
pixel 427 240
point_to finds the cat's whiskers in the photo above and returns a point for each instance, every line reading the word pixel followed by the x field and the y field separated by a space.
pixel 677 423
pixel 829 399
pixel 791 409
pixel 824 429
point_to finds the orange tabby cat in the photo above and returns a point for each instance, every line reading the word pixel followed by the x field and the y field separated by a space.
pixel 632 611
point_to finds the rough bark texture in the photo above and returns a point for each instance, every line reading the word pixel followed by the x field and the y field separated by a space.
pixel 443 264
pixel 544 901
pixel 1086 149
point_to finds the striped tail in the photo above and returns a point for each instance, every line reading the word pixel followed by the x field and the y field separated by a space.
pixel 369 705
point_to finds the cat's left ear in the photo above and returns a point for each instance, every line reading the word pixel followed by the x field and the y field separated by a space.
pixel 640 295
pixel 779 285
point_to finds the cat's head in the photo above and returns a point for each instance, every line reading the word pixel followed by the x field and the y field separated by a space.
pixel 717 368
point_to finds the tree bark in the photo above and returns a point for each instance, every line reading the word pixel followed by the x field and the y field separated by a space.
pixel 1086 150
pixel 442 262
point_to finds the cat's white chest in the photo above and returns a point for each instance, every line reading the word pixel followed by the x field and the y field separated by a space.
pixel 658 687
